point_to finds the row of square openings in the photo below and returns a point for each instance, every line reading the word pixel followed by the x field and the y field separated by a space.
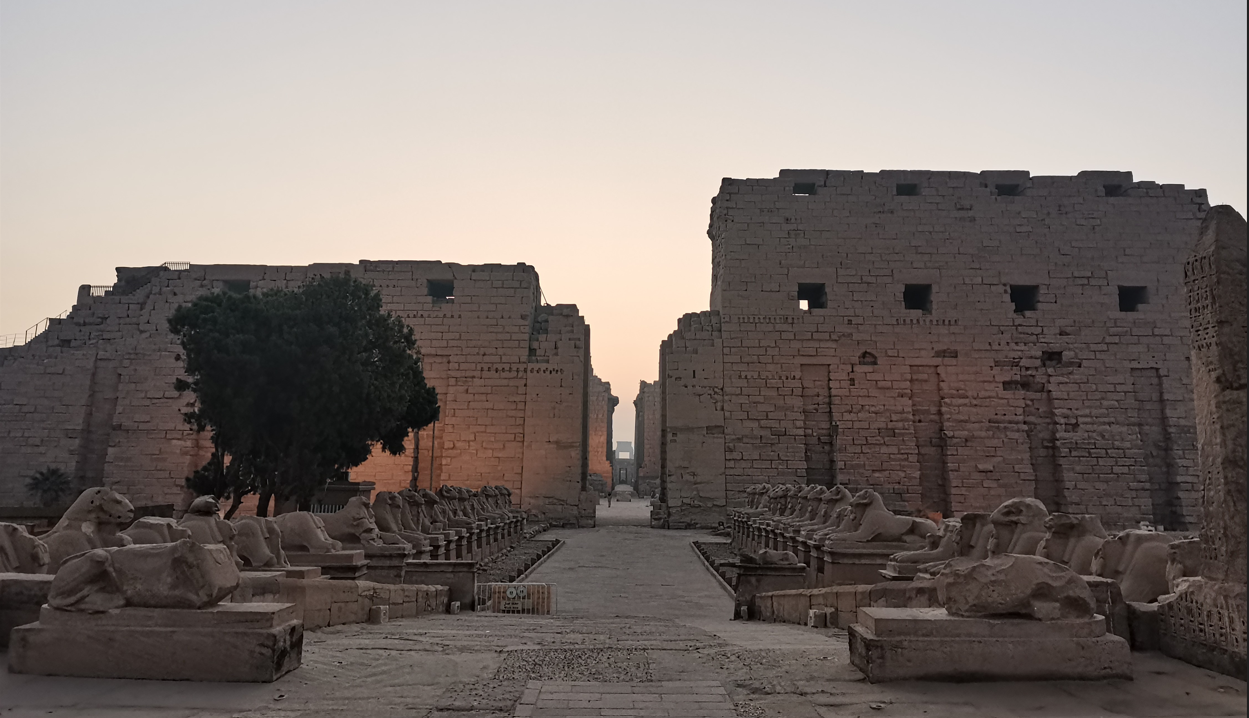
pixel 918 297
pixel 911 189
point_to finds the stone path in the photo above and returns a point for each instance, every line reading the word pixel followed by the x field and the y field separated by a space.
pixel 638 612
pixel 679 699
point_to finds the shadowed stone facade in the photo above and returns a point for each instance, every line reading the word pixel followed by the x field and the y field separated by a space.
pixel 950 339
pixel 94 394
pixel 646 422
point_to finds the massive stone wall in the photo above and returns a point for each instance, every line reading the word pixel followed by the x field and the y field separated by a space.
pixel 602 402
pixel 961 337
pixel 646 436
pixel 94 393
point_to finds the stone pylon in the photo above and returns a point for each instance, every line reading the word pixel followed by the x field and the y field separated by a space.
pixel 1203 622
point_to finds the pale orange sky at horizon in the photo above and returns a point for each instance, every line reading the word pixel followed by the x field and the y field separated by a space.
pixel 585 139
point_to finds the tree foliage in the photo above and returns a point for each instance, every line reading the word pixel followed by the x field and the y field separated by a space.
pixel 51 485
pixel 297 386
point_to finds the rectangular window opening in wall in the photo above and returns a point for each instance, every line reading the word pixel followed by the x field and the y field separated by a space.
pixel 1113 190
pixel 804 188
pixel 918 297
pixel 442 290
pixel 1025 297
pixel 1131 298
pixel 907 189
pixel 812 296
pixel 1008 190
pixel 237 286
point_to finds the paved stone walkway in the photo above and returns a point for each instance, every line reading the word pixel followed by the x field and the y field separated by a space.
pixel 637 611
pixel 678 699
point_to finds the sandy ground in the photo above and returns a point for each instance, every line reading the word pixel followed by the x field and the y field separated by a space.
pixel 635 606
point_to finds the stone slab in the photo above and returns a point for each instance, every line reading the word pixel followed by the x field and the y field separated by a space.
pixel 223 616
pixel 754 579
pixel 341 565
pixel 936 623
pixel 176 653
pixel 334 558
pixel 988 659
pixel 304 572
pixel 460 578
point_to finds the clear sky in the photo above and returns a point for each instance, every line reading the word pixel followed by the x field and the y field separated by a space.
pixel 584 138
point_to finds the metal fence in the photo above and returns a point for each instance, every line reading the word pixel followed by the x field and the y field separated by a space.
pixel 524 599
pixel 176 266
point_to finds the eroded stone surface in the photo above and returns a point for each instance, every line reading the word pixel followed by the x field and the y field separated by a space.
pixel 1013 585
pixel 185 574
pixel 20 552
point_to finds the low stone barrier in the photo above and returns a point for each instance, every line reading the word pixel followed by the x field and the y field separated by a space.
pixel 323 602
pixel 841 604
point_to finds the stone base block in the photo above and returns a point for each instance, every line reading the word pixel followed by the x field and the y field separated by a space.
pixel 753 579
pixel 1143 625
pixel 300 572
pixel 21 596
pixel 460 578
pixel 852 564
pixel 894 644
pixel 342 565
pixel 250 643
pixel 387 564
pixel 1108 601
pixel 894 571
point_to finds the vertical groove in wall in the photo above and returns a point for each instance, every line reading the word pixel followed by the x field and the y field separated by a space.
pixel 817 425
pixel 97 423
pixel 929 439
pixel 1156 449
pixel 1042 434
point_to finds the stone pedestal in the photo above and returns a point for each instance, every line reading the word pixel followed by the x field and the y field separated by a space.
pixel 21 596
pixel 458 576
pixel 894 644
pixel 894 571
pixel 300 572
pixel 235 642
pixel 853 563
pixel 1108 602
pixel 342 565
pixel 753 579
pixel 386 564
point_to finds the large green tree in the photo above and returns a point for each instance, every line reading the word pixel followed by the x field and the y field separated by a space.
pixel 298 386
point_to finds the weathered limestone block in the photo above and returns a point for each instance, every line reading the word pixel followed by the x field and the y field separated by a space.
pixel 1072 540
pixel 387 511
pixel 893 644
pixel 1014 585
pixel 20 552
pixel 204 522
pixel 1018 527
pixel 258 541
pixel 257 642
pixel 156 529
pixel 94 520
pixel 1137 560
pixel 1203 622
pixel 1183 561
pixel 185 574
pixel 304 532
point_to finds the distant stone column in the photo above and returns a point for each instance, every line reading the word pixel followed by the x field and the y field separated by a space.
pixel 1204 621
